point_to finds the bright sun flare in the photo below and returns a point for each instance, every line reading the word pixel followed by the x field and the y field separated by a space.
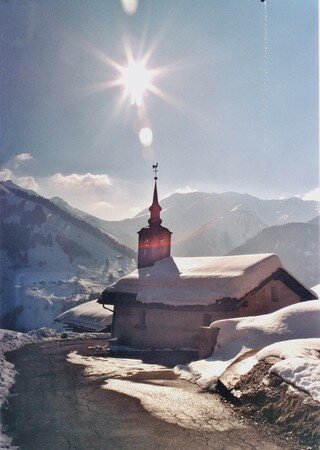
pixel 136 80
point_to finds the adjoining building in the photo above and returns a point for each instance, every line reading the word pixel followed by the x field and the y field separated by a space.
pixel 87 317
pixel 165 302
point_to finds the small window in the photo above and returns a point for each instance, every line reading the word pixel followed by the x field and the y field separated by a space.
pixel 207 320
pixel 274 294
pixel 141 319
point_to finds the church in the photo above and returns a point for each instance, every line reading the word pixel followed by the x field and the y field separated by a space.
pixel 166 300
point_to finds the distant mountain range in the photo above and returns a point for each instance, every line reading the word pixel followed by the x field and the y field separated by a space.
pixel 212 224
pixel 54 255
pixel 297 245
pixel 216 224
pixel 50 259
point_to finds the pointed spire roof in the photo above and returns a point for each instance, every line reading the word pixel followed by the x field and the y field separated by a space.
pixel 155 208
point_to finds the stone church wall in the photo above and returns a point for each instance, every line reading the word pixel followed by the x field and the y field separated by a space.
pixel 162 328
pixel 156 327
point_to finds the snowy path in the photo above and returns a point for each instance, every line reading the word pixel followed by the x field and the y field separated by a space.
pixel 57 404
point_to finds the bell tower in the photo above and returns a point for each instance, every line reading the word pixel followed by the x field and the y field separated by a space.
pixel 154 240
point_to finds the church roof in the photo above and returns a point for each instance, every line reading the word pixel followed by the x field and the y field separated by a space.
pixel 197 280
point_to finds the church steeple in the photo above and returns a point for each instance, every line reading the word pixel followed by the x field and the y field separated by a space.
pixel 155 208
pixel 154 240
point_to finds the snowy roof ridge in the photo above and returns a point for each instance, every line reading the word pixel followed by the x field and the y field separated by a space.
pixel 202 281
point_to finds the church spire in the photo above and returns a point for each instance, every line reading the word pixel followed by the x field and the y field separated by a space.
pixel 155 208
pixel 154 240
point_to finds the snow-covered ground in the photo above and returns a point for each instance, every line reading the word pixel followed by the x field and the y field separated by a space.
pixel 9 340
pixel 294 332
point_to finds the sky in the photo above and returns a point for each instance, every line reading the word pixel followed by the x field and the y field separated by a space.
pixel 232 100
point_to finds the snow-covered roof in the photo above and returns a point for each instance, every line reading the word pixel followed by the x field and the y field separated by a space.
pixel 198 280
pixel 89 316
pixel 316 289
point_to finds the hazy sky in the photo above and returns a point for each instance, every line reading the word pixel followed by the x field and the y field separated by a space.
pixel 239 112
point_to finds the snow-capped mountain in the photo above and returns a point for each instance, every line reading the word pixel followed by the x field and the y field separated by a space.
pixel 50 259
pixel 221 235
pixel 206 224
pixel 297 245
pixel 121 231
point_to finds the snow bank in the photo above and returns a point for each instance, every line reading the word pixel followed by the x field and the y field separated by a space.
pixel 9 340
pixel 299 364
pixel 237 336
pixel 90 316
pixel 203 280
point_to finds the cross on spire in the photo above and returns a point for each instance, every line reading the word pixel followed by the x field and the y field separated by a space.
pixel 155 170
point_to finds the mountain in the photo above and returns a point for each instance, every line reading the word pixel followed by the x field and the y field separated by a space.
pixel 297 245
pixel 208 224
pixel 315 221
pixel 50 260
pixel 221 235
pixel 115 229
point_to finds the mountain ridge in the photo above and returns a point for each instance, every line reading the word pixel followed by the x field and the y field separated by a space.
pixel 50 260
pixel 297 245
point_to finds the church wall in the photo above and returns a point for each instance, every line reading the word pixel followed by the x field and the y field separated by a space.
pixel 173 328
pixel 274 295
pixel 162 328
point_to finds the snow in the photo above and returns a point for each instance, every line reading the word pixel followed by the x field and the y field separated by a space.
pixel 198 280
pixel 299 364
pixel 235 208
pixel 9 340
pixel 89 315
pixel 316 289
pixel 237 336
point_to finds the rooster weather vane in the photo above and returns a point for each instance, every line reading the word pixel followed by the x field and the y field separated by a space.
pixel 155 170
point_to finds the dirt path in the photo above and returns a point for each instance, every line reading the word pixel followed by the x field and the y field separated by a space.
pixel 59 405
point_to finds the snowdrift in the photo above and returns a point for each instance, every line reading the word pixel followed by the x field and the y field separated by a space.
pixel 237 336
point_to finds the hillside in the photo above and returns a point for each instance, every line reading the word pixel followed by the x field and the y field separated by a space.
pixel 50 260
pixel 297 245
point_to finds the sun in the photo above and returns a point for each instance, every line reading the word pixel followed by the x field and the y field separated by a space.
pixel 134 76
pixel 136 79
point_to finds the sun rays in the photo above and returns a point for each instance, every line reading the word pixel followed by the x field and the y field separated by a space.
pixel 135 80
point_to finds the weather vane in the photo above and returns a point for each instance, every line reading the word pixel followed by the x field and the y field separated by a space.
pixel 155 170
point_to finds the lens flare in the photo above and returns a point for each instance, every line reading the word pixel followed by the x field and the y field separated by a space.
pixel 146 137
